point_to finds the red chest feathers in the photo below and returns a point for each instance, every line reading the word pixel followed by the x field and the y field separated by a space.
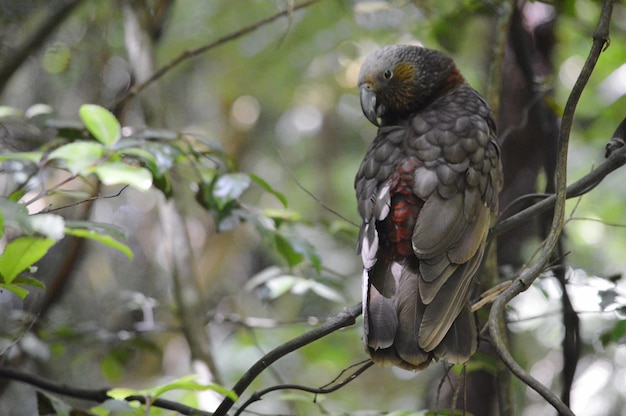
pixel 397 228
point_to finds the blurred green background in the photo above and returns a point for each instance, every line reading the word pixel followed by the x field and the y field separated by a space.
pixel 282 103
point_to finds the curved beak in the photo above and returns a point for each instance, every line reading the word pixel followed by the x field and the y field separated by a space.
pixel 368 103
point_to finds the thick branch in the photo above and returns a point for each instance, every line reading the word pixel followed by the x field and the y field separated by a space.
pixel 95 395
pixel 530 273
pixel 343 319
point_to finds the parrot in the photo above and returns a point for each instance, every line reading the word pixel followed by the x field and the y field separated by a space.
pixel 427 193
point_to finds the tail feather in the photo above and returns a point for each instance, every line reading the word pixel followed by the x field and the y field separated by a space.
pixel 399 325
pixel 410 312
pixel 382 320
pixel 453 296
pixel 461 340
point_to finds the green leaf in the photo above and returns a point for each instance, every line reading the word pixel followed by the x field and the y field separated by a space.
pixel 18 290
pixel 326 292
pixel 112 368
pixel 282 215
pixel 113 407
pixel 281 285
pixel 295 249
pixel 118 173
pixel 230 186
pixel 148 158
pixel 121 393
pixel 28 281
pixel 158 157
pixel 22 253
pixel 33 157
pixel 98 227
pixel 101 123
pixel 615 334
pixel 107 240
pixel 183 383
pixel 266 186
pixel 80 158
pixel 287 250
pixel 263 277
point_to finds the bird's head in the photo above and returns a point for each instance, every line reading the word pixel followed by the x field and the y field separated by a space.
pixel 399 80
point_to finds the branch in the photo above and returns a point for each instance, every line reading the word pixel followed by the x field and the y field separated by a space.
pixel 37 38
pixel 618 139
pixel 192 53
pixel 345 318
pixel 615 160
pixel 530 273
pixel 96 395
pixel 180 255
pixel 494 84
pixel 320 390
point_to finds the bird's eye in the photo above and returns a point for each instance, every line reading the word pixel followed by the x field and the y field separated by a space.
pixel 387 74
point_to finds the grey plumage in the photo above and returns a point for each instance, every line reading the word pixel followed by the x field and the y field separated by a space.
pixel 427 194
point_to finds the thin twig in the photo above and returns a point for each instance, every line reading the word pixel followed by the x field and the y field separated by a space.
pixel 530 273
pixel 26 330
pixel 343 319
pixel 192 53
pixel 320 390
pixel 344 371
pixel 90 199
pixel 311 194
pixel 606 223
pixel 94 395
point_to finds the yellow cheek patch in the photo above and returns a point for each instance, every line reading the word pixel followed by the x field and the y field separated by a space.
pixel 404 72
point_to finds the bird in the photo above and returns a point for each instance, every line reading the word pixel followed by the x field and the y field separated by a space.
pixel 427 193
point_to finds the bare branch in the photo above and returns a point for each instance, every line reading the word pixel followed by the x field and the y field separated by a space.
pixel 192 53
pixel 320 390
pixel 530 273
pixel 90 199
pixel 94 395
pixel 585 184
pixel 343 319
